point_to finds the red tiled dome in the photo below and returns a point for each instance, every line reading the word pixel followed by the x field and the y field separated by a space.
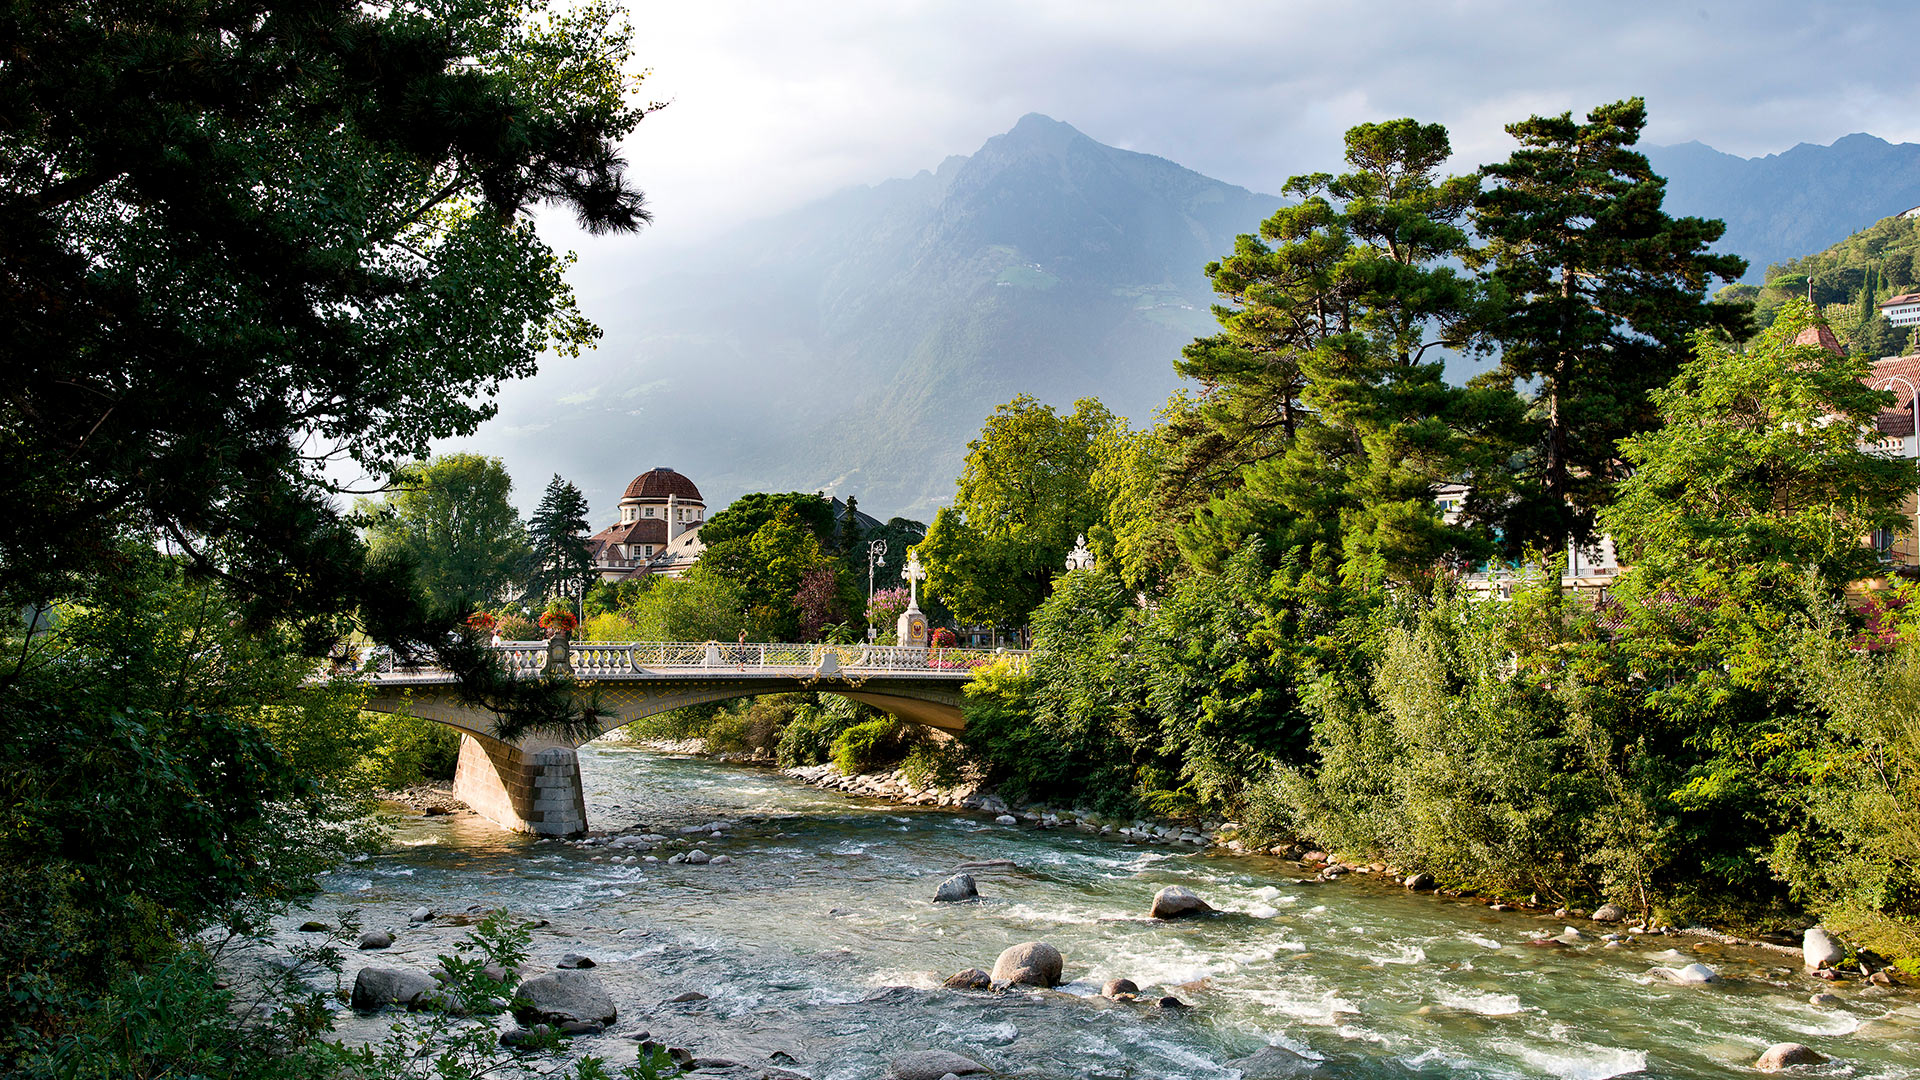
pixel 660 483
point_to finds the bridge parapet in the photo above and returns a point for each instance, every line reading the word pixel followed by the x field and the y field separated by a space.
pixel 603 659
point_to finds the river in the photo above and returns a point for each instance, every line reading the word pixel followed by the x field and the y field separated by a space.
pixel 819 950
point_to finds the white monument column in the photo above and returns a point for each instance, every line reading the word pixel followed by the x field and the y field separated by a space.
pixel 912 627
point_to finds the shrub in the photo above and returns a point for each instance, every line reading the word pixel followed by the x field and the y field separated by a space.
pixel 408 750
pixel 809 735
pixel 515 628
pixel 870 745
pixel 608 626
pixel 935 762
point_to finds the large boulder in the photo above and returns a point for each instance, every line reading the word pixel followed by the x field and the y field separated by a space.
pixel 1818 950
pixel 1786 1055
pixel 1609 913
pixel 1120 990
pixel 1175 901
pixel 376 939
pixel 1273 1063
pixel 956 888
pixel 932 1065
pixel 374 987
pixel 1030 963
pixel 561 997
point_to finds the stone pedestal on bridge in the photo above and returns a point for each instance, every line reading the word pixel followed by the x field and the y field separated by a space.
pixel 529 788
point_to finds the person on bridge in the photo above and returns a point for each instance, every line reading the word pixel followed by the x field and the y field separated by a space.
pixel 740 650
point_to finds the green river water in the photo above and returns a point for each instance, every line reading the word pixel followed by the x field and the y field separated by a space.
pixel 819 950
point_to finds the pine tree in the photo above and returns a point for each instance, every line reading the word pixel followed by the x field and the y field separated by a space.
pixel 561 563
pixel 1603 291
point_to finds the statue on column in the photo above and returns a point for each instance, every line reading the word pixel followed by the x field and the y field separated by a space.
pixel 911 630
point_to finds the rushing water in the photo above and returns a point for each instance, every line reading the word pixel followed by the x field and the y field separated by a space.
pixel 820 950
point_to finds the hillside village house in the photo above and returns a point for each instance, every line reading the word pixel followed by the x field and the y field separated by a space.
pixel 1592 567
pixel 658 531
pixel 1902 310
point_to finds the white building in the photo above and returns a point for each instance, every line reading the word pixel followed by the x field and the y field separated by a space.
pixel 658 531
pixel 1902 310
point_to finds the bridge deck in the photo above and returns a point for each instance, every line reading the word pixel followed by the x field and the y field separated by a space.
pixel 632 661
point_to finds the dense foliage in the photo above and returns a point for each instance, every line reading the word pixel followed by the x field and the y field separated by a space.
pixel 1292 625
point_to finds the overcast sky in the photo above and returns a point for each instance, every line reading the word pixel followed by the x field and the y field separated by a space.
pixel 776 103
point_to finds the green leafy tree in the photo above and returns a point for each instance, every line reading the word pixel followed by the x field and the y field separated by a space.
pixel 700 605
pixel 560 563
pixel 452 520
pixel 1602 292
pixel 1758 466
pixel 1335 312
pixel 243 240
pixel 1025 494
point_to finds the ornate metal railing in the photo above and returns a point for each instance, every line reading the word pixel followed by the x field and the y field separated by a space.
pixel 590 659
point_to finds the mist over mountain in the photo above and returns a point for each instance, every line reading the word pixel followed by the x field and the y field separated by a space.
pixel 856 344
pixel 1794 203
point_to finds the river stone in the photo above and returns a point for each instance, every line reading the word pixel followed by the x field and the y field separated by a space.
pixel 970 979
pixel 1415 882
pixel 1006 819
pixel 932 1065
pixel 1609 913
pixel 377 986
pixel 1691 975
pixel 956 888
pixel 721 860
pixel 1818 950
pixel 698 858
pixel 1824 998
pixel 563 996
pixel 1176 900
pixel 1032 963
pixel 575 960
pixel 376 939
pixel 1171 1002
pixel 314 927
pixel 1120 988
pixel 1786 1055
pixel 1273 1063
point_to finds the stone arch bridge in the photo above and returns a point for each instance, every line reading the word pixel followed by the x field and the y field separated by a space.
pixel 533 784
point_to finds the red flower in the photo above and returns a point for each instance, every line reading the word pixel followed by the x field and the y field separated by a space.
pixel 562 621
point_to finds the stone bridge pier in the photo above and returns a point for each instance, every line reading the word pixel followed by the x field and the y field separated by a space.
pixel 530 787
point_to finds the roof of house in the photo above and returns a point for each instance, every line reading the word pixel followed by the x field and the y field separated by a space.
pixel 1820 334
pixel 1900 374
pixel 643 531
pixel 660 483
pixel 1902 300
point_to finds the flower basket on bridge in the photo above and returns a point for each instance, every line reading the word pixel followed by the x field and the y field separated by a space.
pixel 556 623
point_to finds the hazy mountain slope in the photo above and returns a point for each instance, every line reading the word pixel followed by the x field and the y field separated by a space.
pixel 857 343
pixel 1785 205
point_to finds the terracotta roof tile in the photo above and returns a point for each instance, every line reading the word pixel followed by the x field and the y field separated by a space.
pixel 660 483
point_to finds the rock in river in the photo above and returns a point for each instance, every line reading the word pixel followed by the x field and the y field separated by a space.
pixel 1818 950
pixel 1273 1063
pixel 376 939
pixel 932 1065
pixel 1786 1055
pixel 377 986
pixel 1691 975
pixel 563 996
pixel 575 960
pixel 1030 963
pixel 970 979
pixel 1176 900
pixel 1120 989
pixel 1609 913
pixel 958 887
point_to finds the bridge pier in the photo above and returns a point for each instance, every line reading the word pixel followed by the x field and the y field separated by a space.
pixel 532 787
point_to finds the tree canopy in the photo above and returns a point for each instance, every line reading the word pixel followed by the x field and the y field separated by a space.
pixel 241 240
pixel 452 520
pixel 559 562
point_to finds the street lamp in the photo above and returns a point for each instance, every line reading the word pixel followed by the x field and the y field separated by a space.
pixel 876 556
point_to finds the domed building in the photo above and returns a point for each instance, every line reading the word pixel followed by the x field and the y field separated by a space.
pixel 658 531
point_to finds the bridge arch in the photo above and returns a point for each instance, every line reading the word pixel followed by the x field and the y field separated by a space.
pixel 533 785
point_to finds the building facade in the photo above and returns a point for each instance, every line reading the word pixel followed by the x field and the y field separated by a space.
pixel 658 531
